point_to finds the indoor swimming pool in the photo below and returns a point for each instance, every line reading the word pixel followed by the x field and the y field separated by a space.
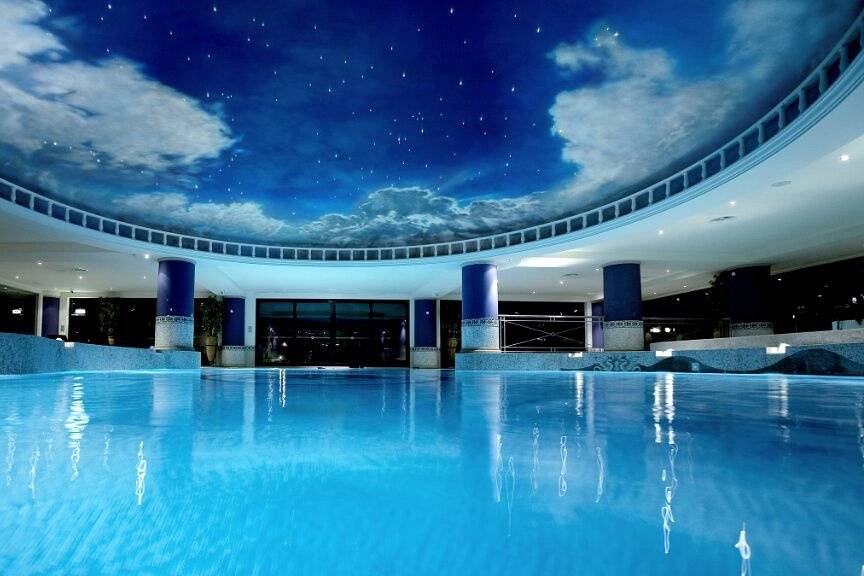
pixel 424 472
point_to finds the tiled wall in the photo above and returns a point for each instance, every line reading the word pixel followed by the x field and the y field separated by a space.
pixel 23 354
pixel 828 359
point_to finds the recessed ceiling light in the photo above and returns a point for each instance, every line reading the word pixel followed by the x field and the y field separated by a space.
pixel 685 285
pixel 844 158
pixel 781 183
pixel 143 277
pixel 667 271
pixel 596 269
pixel 38 263
pixel 146 256
pixel 660 232
pixel 17 277
pixel 80 277
pixel 732 203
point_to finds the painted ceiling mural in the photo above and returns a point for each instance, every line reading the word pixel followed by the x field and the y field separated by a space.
pixel 382 123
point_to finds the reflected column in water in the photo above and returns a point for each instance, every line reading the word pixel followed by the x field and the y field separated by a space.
pixel 10 456
pixel 664 407
pixel 34 462
pixel 744 550
pixel 76 424
pixel 601 472
pixel 535 459
pixel 668 494
pixel 140 473
pixel 562 476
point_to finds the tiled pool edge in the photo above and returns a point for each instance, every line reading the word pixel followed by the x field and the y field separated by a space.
pixel 828 359
pixel 25 354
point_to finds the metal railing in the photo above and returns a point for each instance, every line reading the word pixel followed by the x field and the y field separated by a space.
pixel 787 112
pixel 544 333
pixel 559 333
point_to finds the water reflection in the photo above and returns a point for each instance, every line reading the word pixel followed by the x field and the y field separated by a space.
pixel 535 457
pixel 510 492
pixel 283 388
pixel 744 550
pixel 106 449
pixel 140 474
pixel 778 405
pixel 499 467
pixel 859 415
pixel 34 462
pixel 76 424
pixel 10 456
pixel 600 474
pixel 668 495
pixel 664 407
pixel 562 475
pixel 334 437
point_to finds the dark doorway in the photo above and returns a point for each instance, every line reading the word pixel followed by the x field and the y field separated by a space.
pixel 17 311
pixel 332 333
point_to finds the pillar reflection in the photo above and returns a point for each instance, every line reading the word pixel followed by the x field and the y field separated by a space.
pixel 664 408
pixel 778 405
pixel 76 424
pixel 140 474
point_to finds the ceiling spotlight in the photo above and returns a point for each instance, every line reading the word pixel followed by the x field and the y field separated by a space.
pixel 732 203
pixel 844 158
pixel 660 232
pixel 146 256
pixel 143 277
pixel 80 277
pixel 17 277
pixel 38 263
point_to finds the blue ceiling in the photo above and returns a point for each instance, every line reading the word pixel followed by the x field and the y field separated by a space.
pixel 382 123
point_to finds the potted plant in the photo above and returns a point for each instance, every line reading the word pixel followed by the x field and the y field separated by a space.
pixel 211 321
pixel 108 318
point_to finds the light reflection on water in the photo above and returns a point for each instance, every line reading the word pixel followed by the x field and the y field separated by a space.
pixel 474 473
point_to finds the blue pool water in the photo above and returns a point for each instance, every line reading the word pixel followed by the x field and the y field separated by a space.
pixel 398 472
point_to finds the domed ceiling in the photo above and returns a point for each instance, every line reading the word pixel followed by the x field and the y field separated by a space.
pixel 382 123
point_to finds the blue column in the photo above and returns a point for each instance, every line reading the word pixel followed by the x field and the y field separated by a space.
pixel 233 321
pixel 480 308
pixel 234 350
pixel 425 352
pixel 50 316
pixel 622 307
pixel 175 304
pixel 750 301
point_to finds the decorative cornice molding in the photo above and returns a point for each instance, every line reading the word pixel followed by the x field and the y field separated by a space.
pixel 491 322
pixel 752 325
pixel 623 324
pixel 174 319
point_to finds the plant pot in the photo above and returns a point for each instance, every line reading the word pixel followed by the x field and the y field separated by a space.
pixel 210 348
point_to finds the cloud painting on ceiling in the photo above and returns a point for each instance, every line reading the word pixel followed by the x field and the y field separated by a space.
pixel 319 123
